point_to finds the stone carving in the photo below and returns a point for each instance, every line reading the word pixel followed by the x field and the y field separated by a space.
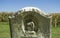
pixel 31 23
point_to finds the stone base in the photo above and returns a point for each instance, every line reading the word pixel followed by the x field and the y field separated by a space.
pixel 28 37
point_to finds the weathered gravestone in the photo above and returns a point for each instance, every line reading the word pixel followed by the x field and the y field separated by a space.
pixel 29 22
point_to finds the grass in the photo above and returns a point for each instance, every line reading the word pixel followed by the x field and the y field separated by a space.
pixel 5 31
pixel 55 32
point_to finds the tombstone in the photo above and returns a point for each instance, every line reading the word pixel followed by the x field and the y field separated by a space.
pixel 29 22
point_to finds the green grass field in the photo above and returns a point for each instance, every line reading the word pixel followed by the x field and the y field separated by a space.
pixel 5 31
pixel 55 32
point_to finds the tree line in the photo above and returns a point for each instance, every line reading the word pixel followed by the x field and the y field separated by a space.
pixel 4 16
pixel 55 19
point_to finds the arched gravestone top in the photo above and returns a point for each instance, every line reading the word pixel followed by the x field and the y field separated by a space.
pixel 29 22
pixel 37 10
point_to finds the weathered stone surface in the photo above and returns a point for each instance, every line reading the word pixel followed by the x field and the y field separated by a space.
pixel 29 24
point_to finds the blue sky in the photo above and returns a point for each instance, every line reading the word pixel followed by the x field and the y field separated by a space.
pixel 48 6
